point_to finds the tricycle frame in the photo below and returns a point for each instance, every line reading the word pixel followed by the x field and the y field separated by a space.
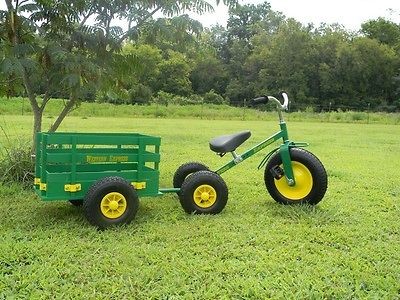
pixel 284 152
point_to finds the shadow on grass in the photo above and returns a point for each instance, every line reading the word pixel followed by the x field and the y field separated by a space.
pixel 304 213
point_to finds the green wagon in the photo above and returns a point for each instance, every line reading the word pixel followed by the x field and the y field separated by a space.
pixel 106 173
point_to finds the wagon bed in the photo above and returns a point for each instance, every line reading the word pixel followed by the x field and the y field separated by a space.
pixel 67 164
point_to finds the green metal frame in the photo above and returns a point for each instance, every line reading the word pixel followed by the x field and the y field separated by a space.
pixel 283 149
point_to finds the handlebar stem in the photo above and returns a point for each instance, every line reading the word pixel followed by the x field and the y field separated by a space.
pixel 280 106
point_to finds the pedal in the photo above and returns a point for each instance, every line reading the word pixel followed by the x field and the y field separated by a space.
pixel 277 172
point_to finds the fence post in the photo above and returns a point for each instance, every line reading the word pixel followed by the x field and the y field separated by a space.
pixel 244 109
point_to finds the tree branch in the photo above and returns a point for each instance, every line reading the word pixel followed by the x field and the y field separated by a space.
pixel 29 91
pixel 10 7
pixel 46 98
pixel 86 17
pixel 139 23
pixel 67 108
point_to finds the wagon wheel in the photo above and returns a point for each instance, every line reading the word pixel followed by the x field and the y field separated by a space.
pixel 76 202
pixel 203 192
pixel 110 201
pixel 309 174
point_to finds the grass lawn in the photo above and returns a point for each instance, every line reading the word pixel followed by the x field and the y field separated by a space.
pixel 346 247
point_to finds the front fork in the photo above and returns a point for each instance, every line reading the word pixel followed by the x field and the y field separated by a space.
pixel 284 151
pixel 287 162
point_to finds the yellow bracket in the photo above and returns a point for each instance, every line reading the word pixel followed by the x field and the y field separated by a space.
pixel 72 188
pixel 139 185
pixel 36 181
pixel 43 186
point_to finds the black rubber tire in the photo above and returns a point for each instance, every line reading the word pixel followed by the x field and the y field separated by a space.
pixel 103 187
pixel 194 183
pixel 310 162
pixel 76 202
pixel 185 170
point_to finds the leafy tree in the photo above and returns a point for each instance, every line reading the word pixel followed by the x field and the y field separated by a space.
pixel 139 78
pixel 366 72
pixel 324 86
pixel 245 20
pixel 244 23
pixel 48 46
pixel 384 31
pixel 174 74
pixel 286 63
pixel 177 33
pixel 209 74
pixel 218 40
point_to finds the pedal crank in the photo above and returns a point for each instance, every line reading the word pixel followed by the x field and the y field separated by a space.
pixel 277 172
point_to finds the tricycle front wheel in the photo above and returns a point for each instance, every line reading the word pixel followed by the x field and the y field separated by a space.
pixel 309 174
pixel 204 192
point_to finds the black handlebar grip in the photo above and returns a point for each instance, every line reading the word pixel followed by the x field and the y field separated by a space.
pixel 259 100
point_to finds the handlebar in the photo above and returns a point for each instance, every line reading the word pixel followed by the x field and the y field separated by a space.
pixel 260 100
pixel 265 99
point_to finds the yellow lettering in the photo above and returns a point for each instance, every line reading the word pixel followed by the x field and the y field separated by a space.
pixel 95 159
pixel 99 159
pixel 118 158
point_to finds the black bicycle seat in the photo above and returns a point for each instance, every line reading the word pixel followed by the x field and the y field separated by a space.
pixel 229 143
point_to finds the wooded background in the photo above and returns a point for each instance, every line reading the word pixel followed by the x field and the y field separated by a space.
pixel 73 50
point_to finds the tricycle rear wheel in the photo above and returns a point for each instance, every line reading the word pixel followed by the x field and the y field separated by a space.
pixel 110 201
pixel 203 192
pixel 185 170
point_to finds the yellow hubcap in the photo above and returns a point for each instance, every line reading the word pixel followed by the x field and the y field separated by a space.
pixel 205 196
pixel 113 205
pixel 304 183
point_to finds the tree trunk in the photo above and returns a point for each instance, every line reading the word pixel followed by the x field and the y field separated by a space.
pixel 37 111
pixel 30 91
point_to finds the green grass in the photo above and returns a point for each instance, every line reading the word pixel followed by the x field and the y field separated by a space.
pixel 347 247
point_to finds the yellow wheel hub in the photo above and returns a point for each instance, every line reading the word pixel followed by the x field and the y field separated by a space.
pixel 204 196
pixel 113 205
pixel 303 186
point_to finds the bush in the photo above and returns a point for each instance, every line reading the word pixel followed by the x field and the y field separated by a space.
pixel 195 99
pixel 165 98
pixel 213 98
pixel 140 94
pixel 17 165
pixel 112 97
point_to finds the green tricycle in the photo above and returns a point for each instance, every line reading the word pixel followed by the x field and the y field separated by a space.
pixel 292 175
pixel 106 173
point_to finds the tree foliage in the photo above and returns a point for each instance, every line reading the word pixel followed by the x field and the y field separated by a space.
pixel 51 50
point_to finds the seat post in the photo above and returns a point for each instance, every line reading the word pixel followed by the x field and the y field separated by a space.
pixel 236 158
